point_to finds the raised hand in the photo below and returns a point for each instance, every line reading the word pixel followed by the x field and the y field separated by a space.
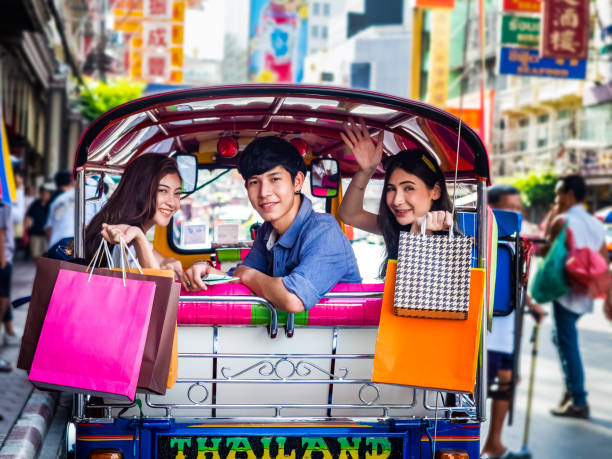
pixel 367 154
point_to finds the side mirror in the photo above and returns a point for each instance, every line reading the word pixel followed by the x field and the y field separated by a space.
pixel 324 177
pixel 188 168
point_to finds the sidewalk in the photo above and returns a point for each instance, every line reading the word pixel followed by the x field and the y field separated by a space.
pixel 15 386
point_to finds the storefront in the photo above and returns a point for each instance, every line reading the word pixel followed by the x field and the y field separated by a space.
pixel 34 85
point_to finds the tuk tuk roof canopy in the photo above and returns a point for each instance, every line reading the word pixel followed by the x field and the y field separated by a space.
pixel 183 120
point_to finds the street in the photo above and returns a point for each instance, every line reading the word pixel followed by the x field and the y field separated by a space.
pixel 549 436
pixel 559 437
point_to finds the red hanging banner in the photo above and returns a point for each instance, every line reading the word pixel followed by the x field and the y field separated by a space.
pixel 565 29
pixel 435 4
pixel 523 6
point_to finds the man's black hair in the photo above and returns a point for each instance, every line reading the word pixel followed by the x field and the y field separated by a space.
pixel 496 192
pixel 576 184
pixel 266 153
pixel 62 178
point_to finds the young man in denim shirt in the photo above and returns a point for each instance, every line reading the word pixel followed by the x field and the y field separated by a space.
pixel 298 254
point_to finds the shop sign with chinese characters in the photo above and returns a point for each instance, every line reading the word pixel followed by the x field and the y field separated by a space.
pixel 438 56
pixel 158 9
pixel 527 62
pixel 565 29
pixel 155 30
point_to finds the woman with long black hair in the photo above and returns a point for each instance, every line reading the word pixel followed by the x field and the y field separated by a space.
pixel 414 191
pixel 148 194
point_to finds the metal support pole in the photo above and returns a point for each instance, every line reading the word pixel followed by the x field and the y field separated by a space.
pixel 482 215
pixel 79 252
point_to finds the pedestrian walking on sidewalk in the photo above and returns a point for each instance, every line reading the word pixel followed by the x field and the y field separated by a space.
pixel 500 346
pixel 567 309
pixel 7 247
pixel 35 220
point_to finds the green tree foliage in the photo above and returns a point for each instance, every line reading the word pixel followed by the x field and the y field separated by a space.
pixel 537 188
pixel 98 97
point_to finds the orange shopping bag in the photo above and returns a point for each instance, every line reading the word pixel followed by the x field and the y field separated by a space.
pixel 173 373
pixel 430 353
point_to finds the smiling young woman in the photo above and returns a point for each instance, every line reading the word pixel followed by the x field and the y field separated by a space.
pixel 148 194
pixel 414 191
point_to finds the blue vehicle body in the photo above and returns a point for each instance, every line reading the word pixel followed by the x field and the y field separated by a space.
pixel 161 438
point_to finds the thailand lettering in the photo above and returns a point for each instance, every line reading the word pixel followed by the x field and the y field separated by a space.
pixel 280 447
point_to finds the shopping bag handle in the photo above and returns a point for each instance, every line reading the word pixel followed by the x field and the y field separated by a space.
pixel 128 254
pixel 94 260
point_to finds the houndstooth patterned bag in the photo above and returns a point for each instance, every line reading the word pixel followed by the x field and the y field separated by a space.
pixel 433 276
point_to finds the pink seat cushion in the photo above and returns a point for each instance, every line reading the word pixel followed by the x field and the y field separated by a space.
pixel 219 313
pixel 328 312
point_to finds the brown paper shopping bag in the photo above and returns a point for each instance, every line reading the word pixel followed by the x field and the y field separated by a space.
pixel 430 353
pixel 47 270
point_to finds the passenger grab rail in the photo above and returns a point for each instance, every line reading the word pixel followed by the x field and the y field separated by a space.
pixel 272 327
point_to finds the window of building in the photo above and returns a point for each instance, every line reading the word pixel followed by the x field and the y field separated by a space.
pixel 564 114
pixel 543 118
pixel 314 30
pixel 325 9
pixel 327 77
pixel 316 9
pixel 523 122
pixel 523 145
pixel 324 32
pixel 360 75
pixel 542 142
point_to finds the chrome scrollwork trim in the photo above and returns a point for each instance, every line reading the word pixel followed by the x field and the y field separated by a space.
pixel 302 368
pixel 266 368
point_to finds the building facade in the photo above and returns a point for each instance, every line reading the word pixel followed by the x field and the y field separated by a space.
pixel 38 58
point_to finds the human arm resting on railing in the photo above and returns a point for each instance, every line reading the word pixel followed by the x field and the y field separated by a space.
pixel 271 288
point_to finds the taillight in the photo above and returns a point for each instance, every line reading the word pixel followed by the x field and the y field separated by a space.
pixel 452 454
pixel 106 454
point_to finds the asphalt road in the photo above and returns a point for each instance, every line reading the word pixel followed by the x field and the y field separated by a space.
pixel 552 437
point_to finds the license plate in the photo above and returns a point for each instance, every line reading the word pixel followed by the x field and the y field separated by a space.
pixel 222 447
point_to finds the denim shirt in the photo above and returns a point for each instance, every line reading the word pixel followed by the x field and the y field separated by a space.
pixel 311 257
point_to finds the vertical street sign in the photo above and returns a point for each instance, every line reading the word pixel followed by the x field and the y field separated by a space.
pixel 155 31
pixel 437 83
pixel 565 29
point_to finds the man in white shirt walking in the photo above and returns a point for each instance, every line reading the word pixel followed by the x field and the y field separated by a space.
pixel 588 232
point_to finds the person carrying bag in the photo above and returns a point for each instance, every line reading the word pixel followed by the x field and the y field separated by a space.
pixel 159 354
pixel 93 336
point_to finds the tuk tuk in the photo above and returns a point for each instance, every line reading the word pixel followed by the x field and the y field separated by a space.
pixel 254 382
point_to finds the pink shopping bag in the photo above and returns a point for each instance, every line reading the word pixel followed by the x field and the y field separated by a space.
pixel 93 336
